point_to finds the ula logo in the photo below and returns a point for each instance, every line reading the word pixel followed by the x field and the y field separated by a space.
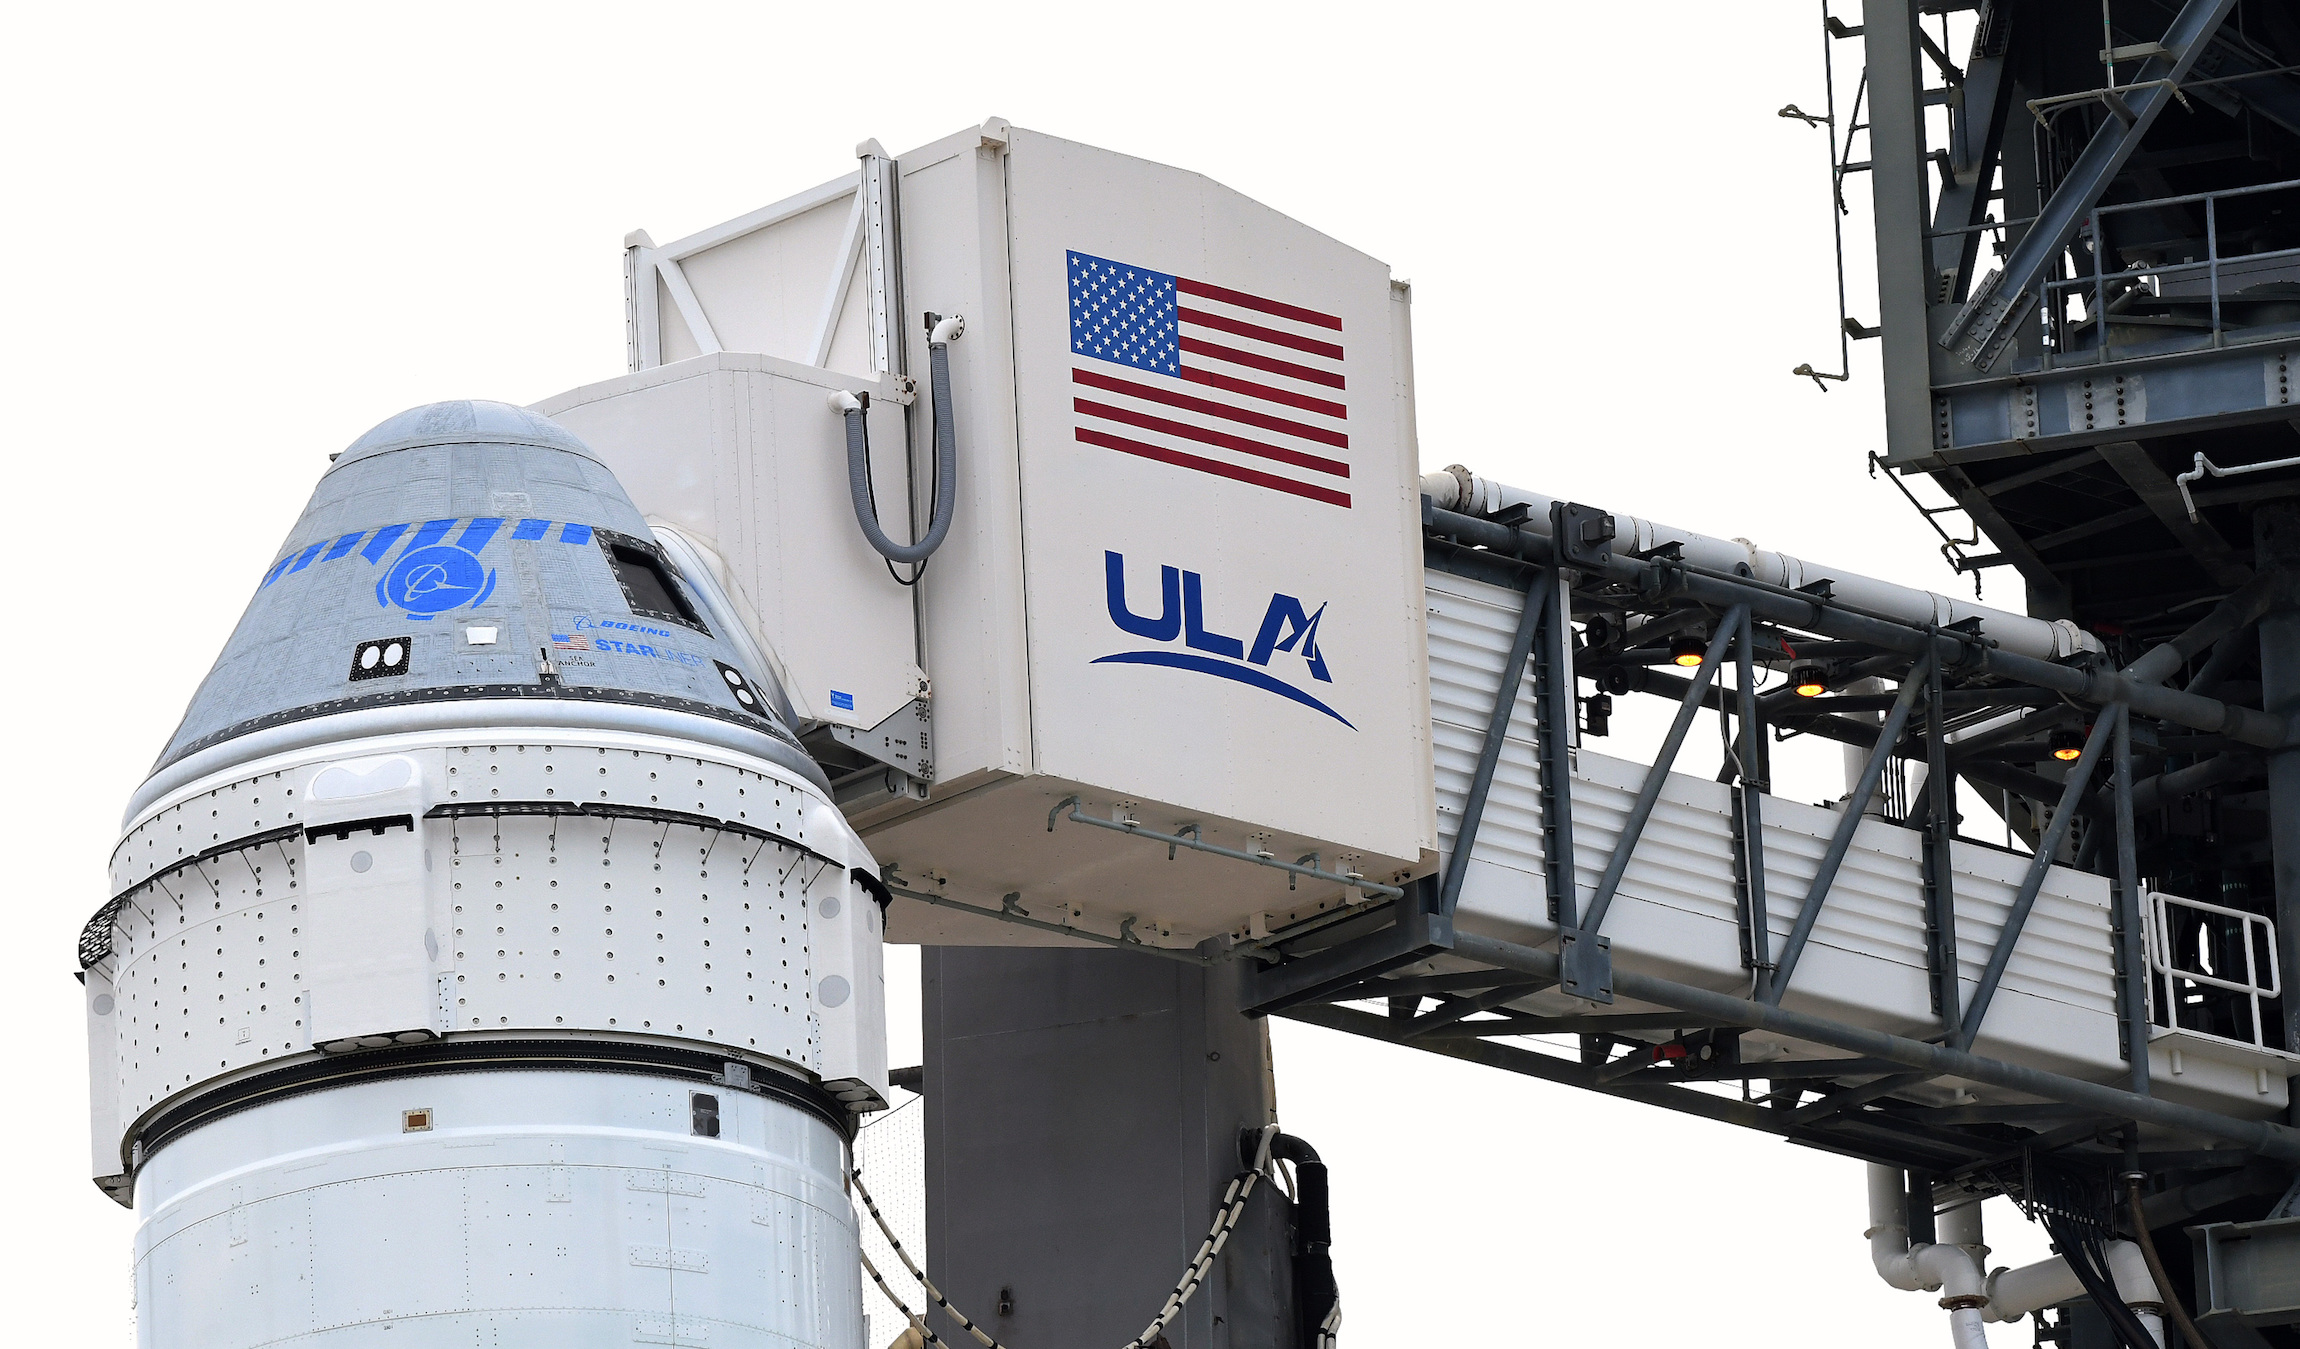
pixel 1286 626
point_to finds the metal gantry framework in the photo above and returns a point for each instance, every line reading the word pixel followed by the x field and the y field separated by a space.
pixel 1628 607
pixel 2086 261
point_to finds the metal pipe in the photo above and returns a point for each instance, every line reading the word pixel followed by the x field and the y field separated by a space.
pixel 2225 657
pixel 2205 466
pixel 2233 766
pixel 2241 609
pixel 2270 1140
pixel 1458 489
pixel 1981 739
pixel 2015 1293
pixel 2003 777
pixel 2132 980
pixel 2276 545
pixel 1749 795
pixel 1553 692
pixel 1964 653
pixel 1657 775
pixel 1940 873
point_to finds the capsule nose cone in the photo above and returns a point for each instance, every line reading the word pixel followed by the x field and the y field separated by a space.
pixel 463 421
pixel 500 566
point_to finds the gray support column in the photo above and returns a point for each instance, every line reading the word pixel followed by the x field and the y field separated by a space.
pixel 1082 1118
pixel 1898 165
pixel 2276 543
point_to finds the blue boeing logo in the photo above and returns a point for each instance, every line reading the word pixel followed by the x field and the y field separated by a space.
pixel 1287 626
pixel 430 581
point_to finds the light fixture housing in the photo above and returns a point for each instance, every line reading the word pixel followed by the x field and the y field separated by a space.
pixel 1809 681
pixel 2067 746
pixel 1688 651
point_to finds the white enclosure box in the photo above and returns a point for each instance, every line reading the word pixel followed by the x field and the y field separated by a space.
pixel 1183 581
pixel 742 454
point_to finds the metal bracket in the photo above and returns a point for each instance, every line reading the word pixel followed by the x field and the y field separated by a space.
pixel 1583 534
pixel 903 741
pixel 1417 935
pixel 1585 965
pixel 2248 1278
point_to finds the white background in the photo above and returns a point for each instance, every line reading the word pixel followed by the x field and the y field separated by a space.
pixel 240 237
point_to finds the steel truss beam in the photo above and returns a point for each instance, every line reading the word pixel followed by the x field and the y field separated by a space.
pixel 1980 329
pixel 1861 1118
pixel 2272 1140
pixel 2040 865
pixel 1872 1138
pixel 1854 810
pixel 1733 627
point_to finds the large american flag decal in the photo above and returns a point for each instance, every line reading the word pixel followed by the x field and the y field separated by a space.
pixel 1208 378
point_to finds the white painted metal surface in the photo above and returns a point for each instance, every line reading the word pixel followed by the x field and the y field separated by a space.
pixel 740 452
pixel 520 922
pixel 1205 618
pixel 556 1208
pixel 1676 916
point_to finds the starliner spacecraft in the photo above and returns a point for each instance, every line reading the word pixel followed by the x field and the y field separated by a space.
pixel 487 960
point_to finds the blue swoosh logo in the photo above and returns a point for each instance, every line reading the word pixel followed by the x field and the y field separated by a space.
pixel 1222 669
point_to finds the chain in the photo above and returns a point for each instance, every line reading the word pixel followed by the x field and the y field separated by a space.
pixel 1232 1208
pixel 917 1322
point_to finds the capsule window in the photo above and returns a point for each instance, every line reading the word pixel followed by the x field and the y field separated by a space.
pixel 647 583
pixel 415 1121
pixel 382 657
pixel 704 1111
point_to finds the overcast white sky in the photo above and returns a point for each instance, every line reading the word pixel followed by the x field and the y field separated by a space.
pixel 245 234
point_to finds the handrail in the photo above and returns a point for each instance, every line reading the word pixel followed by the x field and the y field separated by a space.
pixel 2055 351
pixel 2164 964
pixel 2190 199
pixel 2206 265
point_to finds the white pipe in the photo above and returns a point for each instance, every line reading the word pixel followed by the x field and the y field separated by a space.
pixel 2129 1268
pixel 1951 1268
pixel 1888 1232
pixel 1458 489
pixel 1961 1226
pixel 2014 1293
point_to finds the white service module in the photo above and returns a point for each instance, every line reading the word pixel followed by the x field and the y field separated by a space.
pixel 486 963
pixel 1183 582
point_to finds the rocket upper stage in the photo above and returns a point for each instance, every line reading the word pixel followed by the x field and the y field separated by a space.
pixel 473 552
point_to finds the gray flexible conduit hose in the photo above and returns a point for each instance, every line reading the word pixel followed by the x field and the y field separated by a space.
pixel 945 471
